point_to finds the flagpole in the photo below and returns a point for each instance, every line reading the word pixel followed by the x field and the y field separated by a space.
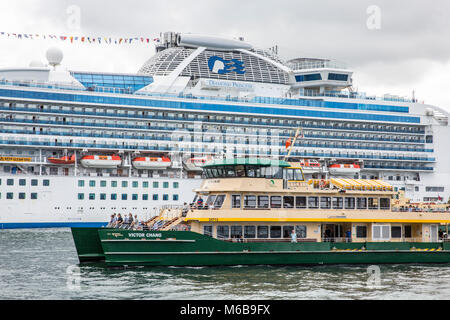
pixel 293 142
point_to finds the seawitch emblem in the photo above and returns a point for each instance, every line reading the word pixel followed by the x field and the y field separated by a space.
pixel 221 66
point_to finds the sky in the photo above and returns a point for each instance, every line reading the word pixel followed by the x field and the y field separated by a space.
pixel 393 47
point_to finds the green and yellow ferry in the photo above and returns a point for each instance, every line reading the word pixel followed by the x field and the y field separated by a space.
pixel 261 211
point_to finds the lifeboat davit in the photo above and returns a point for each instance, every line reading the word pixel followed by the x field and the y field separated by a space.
pixel 62 160
pixel 344 169
pixel 151 162
pixel 95 161
pixel 194 164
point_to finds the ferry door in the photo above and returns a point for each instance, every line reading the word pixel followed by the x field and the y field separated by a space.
pixel 66 171
pixel 430 233
pixel 434 233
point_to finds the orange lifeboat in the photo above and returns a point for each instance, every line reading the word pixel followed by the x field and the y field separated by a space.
pixel 195 164
pixel 343 169
pixel 96 161
pixel 151 162
pixel 310 165
pixel 62 160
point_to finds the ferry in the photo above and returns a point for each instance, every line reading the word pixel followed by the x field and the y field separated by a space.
pixel 260 211
pixel 198 97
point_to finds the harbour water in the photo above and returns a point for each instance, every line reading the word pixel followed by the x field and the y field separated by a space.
pixel 42 264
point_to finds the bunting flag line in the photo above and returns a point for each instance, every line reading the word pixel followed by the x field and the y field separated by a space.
pixel 79 39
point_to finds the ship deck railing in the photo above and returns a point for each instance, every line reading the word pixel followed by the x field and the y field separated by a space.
pixel 251 240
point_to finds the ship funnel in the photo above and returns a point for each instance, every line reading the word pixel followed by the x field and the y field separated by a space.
pixel 211 42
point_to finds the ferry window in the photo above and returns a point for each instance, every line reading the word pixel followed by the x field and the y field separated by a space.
pixel 92 183
pixel 176 185
pixel 288 174
pixel 165 185
pixel 373 203
pixel 211 199
pixel 134 196
pixel 407 231
pixel 91 196
pixel 124 184
pixel 9 195
pixel 103 183
pixel 300 202
pixel 155 197
pixel 361 231
pixel 81 196
pixel 114 184
pixel 287 230
pixel 165 197
pixel 275 201
pixel 263 202
pixel 22 182
pixel 396 232
pixel 10 182
pixel 34 196
pixel 349 203
pixel 361 203
pixel 313 202
pixel 250 232
pixel 34 182
pixel 102 196
pixel 301 231
pixel 230 172
pixel 249 201
pixel 124 196
pixel 325 202
pixel 236 232
pixel 275 231
pixel 219 201
pixel 385 203
pixel 113 196
pixel 263 232
pixel 236 201
pixel 277 173
pixel 338 203
pixel 22 195
pixel 298 175
pixel 380 232
pixel 240 171
pixel 155 184
pixel 288 202
pixel 208 231
pixel 223 232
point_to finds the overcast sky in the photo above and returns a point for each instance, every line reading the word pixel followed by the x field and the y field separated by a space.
pixel 409 51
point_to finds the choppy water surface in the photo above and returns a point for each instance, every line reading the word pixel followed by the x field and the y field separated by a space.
pixel 42 264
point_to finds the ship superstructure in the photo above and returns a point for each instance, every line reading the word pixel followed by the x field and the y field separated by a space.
pixel 77 147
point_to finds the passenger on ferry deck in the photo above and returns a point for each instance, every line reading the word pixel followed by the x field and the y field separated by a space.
pixel 293 236
pixel 130 219
pixel 348 236
pixel 199 202
pixel 112 221
pixel 119 220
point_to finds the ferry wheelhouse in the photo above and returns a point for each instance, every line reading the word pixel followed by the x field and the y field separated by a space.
pixel 261 211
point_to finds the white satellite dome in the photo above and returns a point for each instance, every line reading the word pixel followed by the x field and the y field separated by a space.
pixel 54 56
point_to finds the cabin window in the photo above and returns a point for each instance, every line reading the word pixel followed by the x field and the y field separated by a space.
pixel 373 203
pixel 396 232
pixel 210 200
pixel 34 182
pixel 230 172
pixel 313 202
pixel 338 203
pixel 407 231
pixel 288 202
pixel 275 201
pixel 263 202
pixel 275 232
pixel 325 202
pixel 301 231
pixel 240 171
pixel 361 231
pixel 208 231
pixel 249 201
pixel 287 230
pixel 250 232
pixel 81 183
pixel 381 232
pixel 236 201
pixel 223 232
pixel 385 203
pixel 361 203
pixel 263 232
pixel 236 232
pixel 300 202
pixel 349 203
pixel 219 201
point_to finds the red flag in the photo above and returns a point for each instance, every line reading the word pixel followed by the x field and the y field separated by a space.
pixel 288 143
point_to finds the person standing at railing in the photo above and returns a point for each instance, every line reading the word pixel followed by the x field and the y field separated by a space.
pixel 293 236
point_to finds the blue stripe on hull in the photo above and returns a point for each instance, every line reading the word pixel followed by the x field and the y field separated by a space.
pixel 27 225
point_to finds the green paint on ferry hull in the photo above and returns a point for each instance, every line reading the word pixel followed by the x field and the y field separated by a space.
pixel 88 245
pixel 182 248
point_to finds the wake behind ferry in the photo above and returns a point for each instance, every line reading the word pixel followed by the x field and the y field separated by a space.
pixel 77 146
pixel 262 211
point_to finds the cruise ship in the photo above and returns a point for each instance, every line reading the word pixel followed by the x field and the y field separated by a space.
pixel 78 146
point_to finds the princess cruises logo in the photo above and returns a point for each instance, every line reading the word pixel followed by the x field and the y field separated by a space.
pixel 221 66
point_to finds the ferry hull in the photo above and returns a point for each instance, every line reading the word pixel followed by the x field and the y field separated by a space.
pixel 172 248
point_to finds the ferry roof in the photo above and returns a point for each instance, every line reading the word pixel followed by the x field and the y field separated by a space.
pixel 248 161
